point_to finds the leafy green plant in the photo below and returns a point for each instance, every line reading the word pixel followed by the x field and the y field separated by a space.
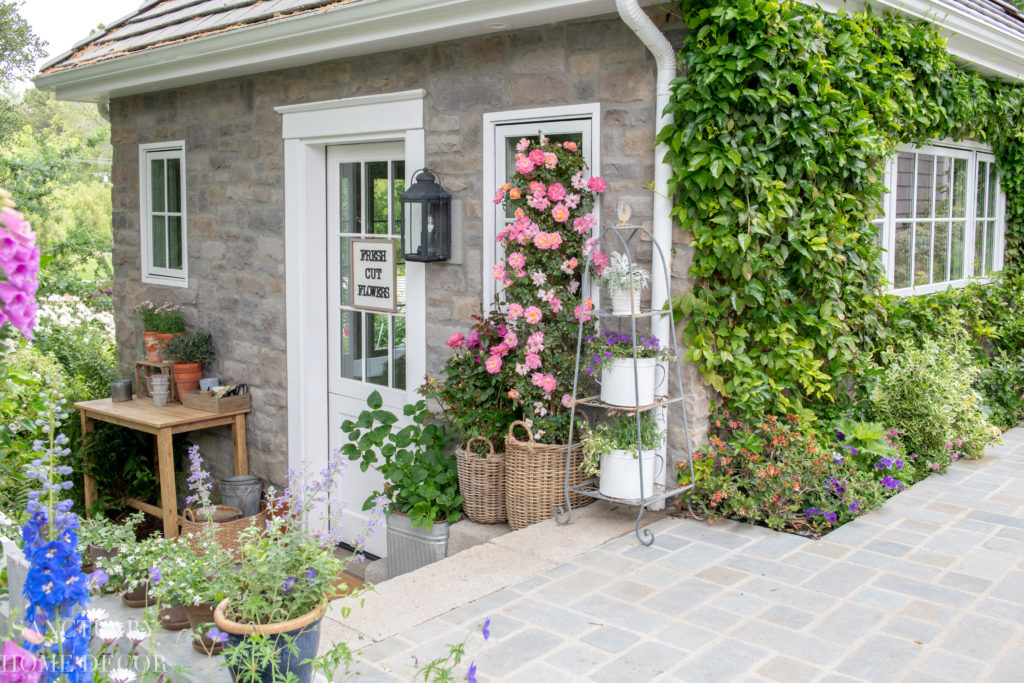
pixel 621 275
pixel 619 432
pixel 926 393
pixel 1001 383
pixel 100 530
pixel 193 347
pixel 166 318
pixel 420 478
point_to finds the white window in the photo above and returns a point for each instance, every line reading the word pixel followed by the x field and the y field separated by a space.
pixel 162 205
pixel 943 218
pixel 502 131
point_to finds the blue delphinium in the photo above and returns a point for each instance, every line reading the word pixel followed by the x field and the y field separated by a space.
pixel 55 585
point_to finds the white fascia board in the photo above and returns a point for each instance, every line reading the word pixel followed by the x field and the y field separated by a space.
pixel 367 27
pixel 984 47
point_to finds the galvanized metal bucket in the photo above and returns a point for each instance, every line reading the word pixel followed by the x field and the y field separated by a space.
pixel 410 548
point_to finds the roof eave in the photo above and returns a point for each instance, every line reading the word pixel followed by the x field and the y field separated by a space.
pixel 349 30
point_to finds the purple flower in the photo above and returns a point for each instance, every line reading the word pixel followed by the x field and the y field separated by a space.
pixel 830 517
pixel 899 464
pixel 310 575
pixel 486 630
pixel 811 512
pixel 855 505
pixel 288 583
pixel 216 635
pixel 839 435
pixel 471 673
pixel 155 575
pixel 853 451
pixel 890 483
pixel 835 486
pixel 19 665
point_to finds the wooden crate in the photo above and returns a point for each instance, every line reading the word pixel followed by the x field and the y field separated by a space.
pixel 145 368
pixel 204 400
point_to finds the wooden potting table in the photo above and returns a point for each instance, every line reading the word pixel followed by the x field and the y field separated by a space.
pixel 140 414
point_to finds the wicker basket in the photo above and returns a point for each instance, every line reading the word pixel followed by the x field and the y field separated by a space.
pixel 225 533
pixel 535 478
pixel 482 483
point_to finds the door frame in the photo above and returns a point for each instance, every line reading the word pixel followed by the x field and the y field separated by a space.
pixel 308 129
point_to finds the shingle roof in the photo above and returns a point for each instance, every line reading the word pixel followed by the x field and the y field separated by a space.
pixel 164 22
pixel 993 12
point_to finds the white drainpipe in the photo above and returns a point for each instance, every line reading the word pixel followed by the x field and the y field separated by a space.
pixel 665 60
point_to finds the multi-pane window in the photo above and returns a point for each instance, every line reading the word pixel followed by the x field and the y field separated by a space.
pixel 163 222
pixel 942 221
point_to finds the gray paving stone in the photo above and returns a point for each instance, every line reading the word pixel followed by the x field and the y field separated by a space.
pixel 645 553
pixel 921 677
pixel 847 623
pixel 919 589
pixel 505 655
pixel 482 608
pixel 883 599
pixel 740 603
pixel 880 658
pixel 547 615
pixel 953 667
pixel 767 568
pixel 535 673
pixel 802 646
pixel 932 558
pixel 1011 588
pixel 776 546
pixel 905 536
pixel 613 563
pixel 668 541
pixel 971 584
pixel 853 534
pixel 888 548
pixel 693 557
pixel 722 663
pixel 839 578
pixel 976 637
pixel 714 536
pixel 609 611
pixel 787 669
pixel 627 591
pixel 806 560
pixel 723 576
pixel 791 617
pixel 827 549
pixel 929 611
pixel 561 570
pixel 610 638
pixel 385 649
pixel 912 629
pixel 1000 519
pixel 532 583
pixel 577 658
pixel 574 585
pixel 788 595
pixel 683 595
pixel 655 575
pixel 653 658
pixel 893 564
pixel 1011 666
pixel 714 618
pixel 1000 609
pixel 688 637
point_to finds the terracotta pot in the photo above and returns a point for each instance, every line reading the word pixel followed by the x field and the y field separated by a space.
pixel 303 634
pixel 186 376
pixel 154 342
pixel 173 618
pixel 197 616
pixel 138 597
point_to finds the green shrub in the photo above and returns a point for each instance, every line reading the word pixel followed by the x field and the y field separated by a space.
pixel 1001 384
pixel 926 392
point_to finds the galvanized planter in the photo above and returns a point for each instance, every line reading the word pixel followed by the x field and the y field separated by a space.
pixel 410 548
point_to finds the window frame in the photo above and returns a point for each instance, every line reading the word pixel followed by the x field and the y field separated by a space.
pixel 151 274
pixel 973 152
pixel 493 124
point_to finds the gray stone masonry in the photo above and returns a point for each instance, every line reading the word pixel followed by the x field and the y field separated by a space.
pixel 235 188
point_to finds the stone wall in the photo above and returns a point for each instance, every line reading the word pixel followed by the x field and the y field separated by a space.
pixel 235 187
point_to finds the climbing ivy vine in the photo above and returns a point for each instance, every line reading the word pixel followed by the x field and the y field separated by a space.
pixel 784 116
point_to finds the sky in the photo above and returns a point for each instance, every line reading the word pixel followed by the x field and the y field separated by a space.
pixel 62 23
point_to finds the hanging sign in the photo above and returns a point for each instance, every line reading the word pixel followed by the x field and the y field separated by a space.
pixel 374 275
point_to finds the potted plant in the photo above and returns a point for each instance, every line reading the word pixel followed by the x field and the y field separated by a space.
pixel 160 324
pixel 479 408
pixel 421 480
pixel 611 451
pixel 189 352
pixel 129 569
pixel 626 381
pixel 101 536
pixel 277 595
pixel 624 283
pixel 188 570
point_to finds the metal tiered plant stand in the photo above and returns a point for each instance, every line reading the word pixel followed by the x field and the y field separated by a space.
pixel 660 492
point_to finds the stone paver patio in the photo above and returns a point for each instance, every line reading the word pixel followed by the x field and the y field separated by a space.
pixel 929 587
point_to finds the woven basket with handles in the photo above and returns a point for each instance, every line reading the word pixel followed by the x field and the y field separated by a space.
pixel 535 478
pixel 482 482
pixel 225 533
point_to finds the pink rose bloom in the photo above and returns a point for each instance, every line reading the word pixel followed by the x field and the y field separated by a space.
pixel 535 342
pixel 549 384
pixel 537 379
pixel 573 286
pixel 523 144
pixel 583 311
pixel 515 311
pixel 532 361
pixel 584 223
pixel 537 189
pixel 550 160
pixel 516 259
pixel 538 278
pixel 500 349
pixel 554 240
pixel 473 341
pixel 596 184
pixel 567 267
pixel 498 196
pixel 570 145
pixel 542 240
pixel 600 261
pixel 556 304
pixel 572 200
pixel 498 271
pixel 560 213
pixel 532 315
pixel 537 156
pixel 567 400
pixel 556 192
pixel 521 369
pixel 524 166
pixel 493 364
pixel 456 340
pixel 511 340
pixel 20 665
pixel 578 182
pixel 539 203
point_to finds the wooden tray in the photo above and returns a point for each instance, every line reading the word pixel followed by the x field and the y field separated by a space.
pixel 204 400
pixel 143 368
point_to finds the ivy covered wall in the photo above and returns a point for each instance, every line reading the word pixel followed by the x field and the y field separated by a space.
pixel 784 118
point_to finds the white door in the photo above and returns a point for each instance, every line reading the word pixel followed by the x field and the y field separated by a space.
pixel 367 350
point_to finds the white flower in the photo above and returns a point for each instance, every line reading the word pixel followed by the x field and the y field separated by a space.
pixel 109 631
pixel 120 675
pixel 97 614
pixel 137 635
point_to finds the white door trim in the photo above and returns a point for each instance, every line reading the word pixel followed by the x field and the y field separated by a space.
pixel 307 131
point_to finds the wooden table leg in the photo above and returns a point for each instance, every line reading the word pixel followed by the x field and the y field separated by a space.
pixel 238 436
pixel 88 427
pixel 168 499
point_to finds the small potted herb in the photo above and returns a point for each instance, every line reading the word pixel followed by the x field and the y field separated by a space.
pixel 624 282
pixel 189 352
pixel 421 479
pixel 160 324
pixel 611 451
pixel 625 382
pixel 100 536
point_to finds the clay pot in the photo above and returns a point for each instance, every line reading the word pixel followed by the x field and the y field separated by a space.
pixel 303 641
pixel 154 342
pixel 186 376
pixel 197 616
pixel 138 597
pixel 174 618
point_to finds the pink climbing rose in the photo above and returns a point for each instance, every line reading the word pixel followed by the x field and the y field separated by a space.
pixel 456 341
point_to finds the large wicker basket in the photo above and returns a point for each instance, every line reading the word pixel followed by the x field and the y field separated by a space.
pixel 225 533
pixel 535 478
pixel 482 482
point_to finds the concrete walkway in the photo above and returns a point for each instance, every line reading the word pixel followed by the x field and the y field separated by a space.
pixel 928 588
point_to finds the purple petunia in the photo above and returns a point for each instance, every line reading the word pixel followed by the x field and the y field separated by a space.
pixel 830 517
pixel 890 483
pixel 839 435
pixel 811 512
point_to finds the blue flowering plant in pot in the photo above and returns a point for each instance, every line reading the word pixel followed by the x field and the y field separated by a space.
pixel 288 573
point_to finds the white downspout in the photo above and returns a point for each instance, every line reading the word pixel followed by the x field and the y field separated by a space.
pixel 665 60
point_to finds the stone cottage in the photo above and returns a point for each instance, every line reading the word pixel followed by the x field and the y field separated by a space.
pixel 252 139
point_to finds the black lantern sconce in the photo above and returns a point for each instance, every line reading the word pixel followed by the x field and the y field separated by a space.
pixel 427 220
